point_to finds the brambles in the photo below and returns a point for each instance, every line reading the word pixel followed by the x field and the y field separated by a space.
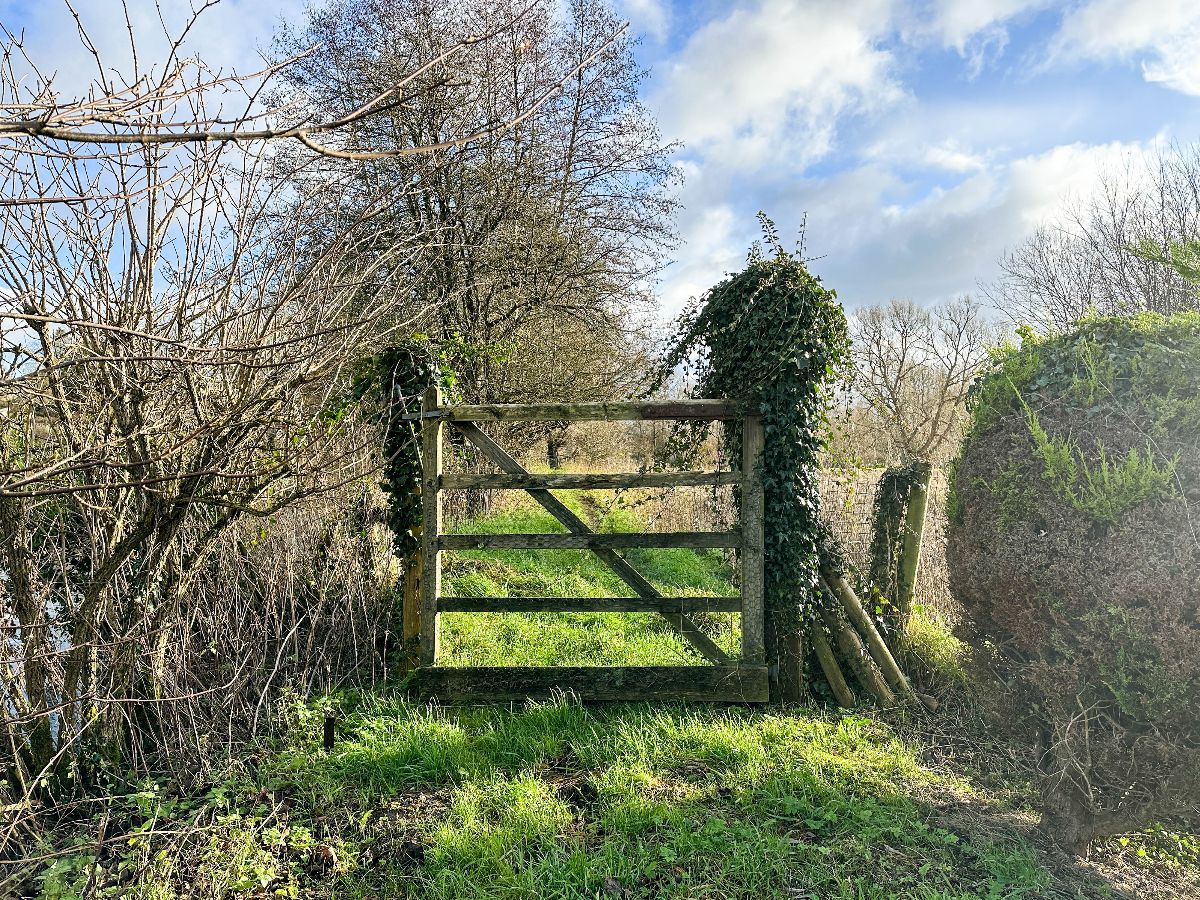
pixel 1073 545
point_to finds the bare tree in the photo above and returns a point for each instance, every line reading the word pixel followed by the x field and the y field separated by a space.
pixel 565 217
pixel 1094 261
pixel 175 350
pixel 912 368
pixel 156 104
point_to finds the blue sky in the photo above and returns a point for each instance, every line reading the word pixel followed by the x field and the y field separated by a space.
pixel 921 137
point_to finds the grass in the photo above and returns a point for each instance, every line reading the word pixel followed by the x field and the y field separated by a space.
pixel 558 801
pixel 555 800
pixel 490 639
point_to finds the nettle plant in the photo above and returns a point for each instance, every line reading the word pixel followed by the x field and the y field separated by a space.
pixel 773 339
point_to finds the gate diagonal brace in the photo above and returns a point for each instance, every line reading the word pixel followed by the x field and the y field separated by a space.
pixel 626 572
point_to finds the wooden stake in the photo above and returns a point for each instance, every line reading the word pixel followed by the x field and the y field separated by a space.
pixel 837 585
pixel 830 667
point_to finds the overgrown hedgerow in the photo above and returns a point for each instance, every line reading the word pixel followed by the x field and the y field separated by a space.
pixel 1074 544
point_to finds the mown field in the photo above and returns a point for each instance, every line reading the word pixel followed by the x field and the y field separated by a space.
pixel 555 800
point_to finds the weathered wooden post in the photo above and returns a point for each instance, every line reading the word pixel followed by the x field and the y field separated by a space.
pixel 431 508
pixel 410 610
pixel 910 553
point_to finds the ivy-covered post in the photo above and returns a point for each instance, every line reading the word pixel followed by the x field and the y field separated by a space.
pixel 753 647
pixel 910 552
pixel 431 506
pixel 397 376
pixel 772 338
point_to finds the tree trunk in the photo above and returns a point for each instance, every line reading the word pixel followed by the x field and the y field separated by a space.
pixel 556 442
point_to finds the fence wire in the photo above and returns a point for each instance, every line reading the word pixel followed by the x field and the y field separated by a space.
pixel 848 505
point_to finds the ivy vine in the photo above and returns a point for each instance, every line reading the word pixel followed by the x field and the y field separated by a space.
pixel 773 339
pixel 887 531
pixel 397 377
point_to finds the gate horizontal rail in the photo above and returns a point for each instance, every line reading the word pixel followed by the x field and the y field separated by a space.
pixel 649 411
pixel 665 605
pixel 572 481
pixel 501 684
pixel 695 540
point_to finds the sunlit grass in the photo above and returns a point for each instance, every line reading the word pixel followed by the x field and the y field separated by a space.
pixel 483 639
pixel 555 800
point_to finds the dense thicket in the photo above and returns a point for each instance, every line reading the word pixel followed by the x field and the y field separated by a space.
pixel 1074 545
pixel 178 336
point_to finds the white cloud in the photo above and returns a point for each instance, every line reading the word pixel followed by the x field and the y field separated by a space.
pixel 1163 35
pixel 770 80
pixel 650 17
pixel 711 250
pixel 976 29
pixel 961 23
pixel 950 156
pixel 945 242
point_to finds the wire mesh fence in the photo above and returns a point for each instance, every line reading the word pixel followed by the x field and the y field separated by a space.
pixel 848 504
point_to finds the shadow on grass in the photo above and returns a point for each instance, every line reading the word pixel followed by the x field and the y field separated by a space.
pixel 555 800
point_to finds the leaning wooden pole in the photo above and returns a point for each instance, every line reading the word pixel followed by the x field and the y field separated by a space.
pixel 830 668
pixel 837 586
pixel 851 648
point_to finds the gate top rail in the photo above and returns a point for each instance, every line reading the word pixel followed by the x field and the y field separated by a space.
pixel 646 410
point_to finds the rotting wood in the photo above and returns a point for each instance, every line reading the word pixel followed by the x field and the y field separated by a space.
pixel 696 540
pixel 410 610
pixel 665 605
pixel 431 509
pixel 653 410
pixel 829 666
pixel 570 481
pixel 626 572
pixel 837 585
pixel 731 684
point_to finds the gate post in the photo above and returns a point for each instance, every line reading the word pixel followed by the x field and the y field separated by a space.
pixel 431 526
pixel 410 614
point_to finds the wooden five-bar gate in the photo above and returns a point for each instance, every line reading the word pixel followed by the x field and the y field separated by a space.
pixel 742 678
